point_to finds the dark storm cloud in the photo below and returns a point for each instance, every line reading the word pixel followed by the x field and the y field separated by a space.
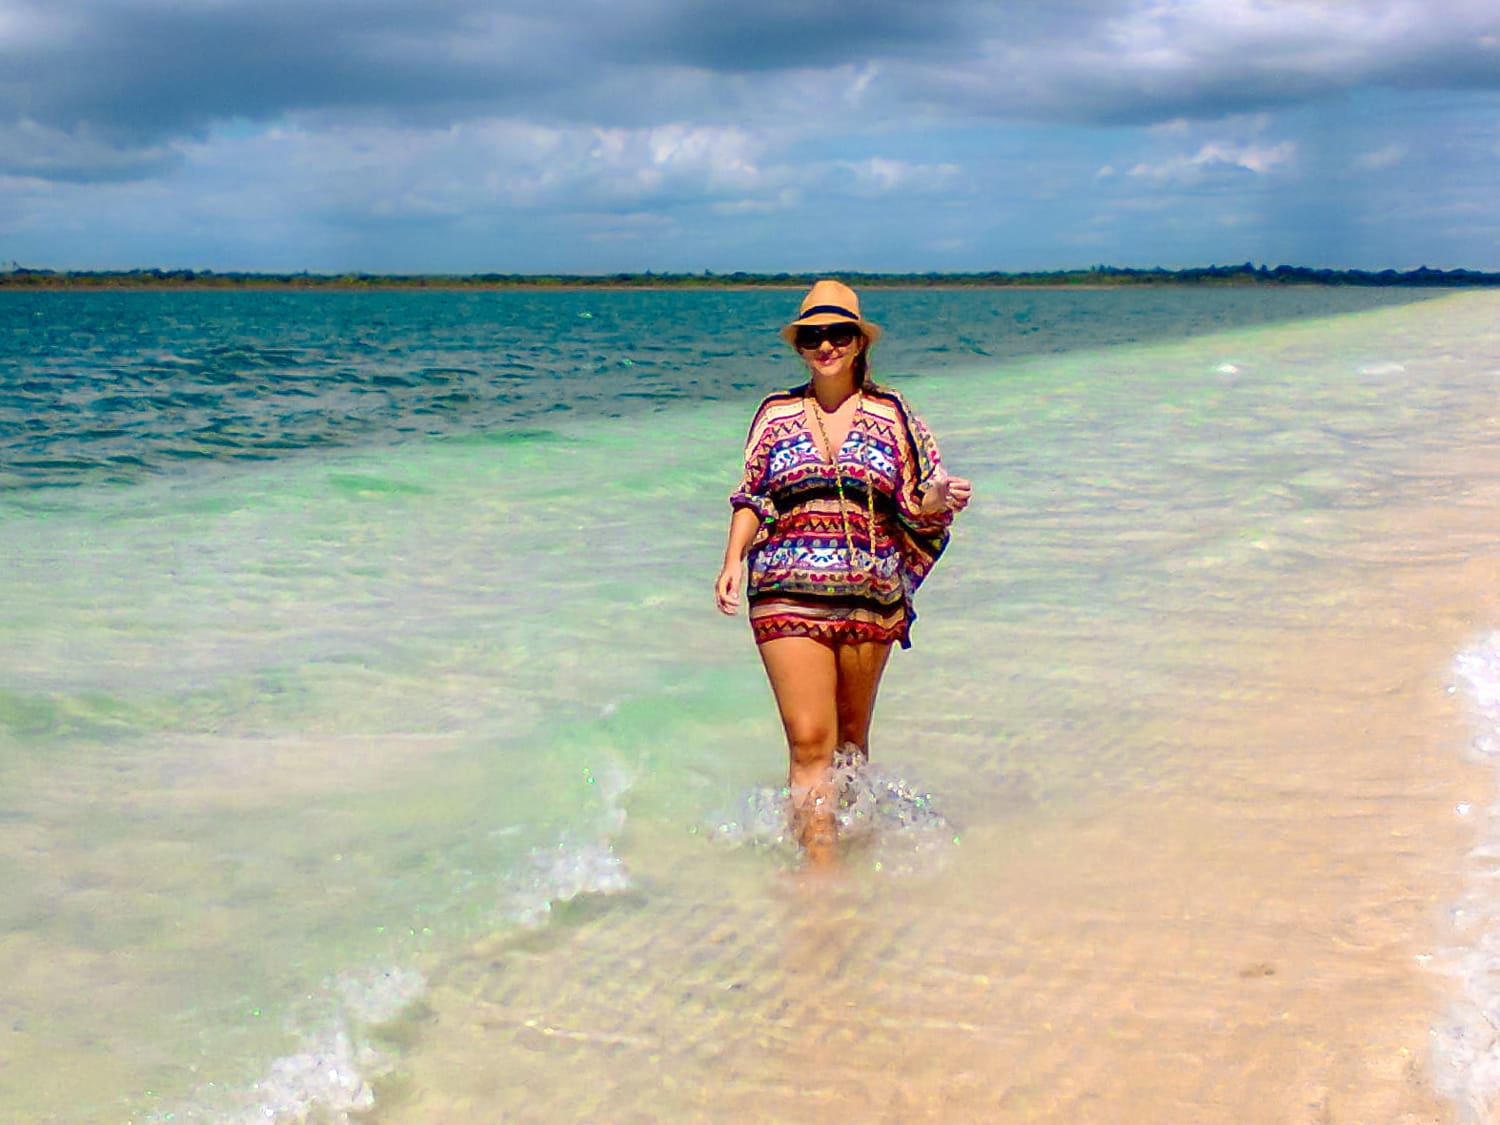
pixel 736 36
pixel 94 88
pixel 141 70
pixel 138 71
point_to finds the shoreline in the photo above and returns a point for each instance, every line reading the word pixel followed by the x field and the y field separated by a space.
pixel 1247 275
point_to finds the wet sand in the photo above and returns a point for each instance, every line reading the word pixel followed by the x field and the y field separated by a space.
pixel 1260 942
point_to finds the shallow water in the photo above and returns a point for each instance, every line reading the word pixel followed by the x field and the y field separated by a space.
pixel 419 772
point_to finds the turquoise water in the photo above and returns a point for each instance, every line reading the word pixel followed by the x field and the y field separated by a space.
pixel 340 632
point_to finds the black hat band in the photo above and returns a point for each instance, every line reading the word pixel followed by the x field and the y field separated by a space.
pixel 838 310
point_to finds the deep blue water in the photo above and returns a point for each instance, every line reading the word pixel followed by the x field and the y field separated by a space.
pixel 119 386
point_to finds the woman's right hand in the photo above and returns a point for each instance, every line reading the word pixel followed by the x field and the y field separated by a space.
pixel 727 588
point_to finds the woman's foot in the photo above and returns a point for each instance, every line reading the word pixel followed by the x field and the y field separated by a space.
pixel 820 840
pixel 815 823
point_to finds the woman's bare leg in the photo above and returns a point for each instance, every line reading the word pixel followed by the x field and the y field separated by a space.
pixel 826 696
pixel 804 678
pixel 860 667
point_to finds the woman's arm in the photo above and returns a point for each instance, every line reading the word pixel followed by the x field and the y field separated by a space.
pixel 927 493
pixel 742 528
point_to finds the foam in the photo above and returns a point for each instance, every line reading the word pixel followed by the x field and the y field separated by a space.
pixel 1466 1037
pixel 572 867
pixel 331 1077
pixel 886 823
pixel 566 871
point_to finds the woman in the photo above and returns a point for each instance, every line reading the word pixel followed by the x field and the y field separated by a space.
pixel 843 510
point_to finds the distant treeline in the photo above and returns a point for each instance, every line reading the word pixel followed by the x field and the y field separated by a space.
pixel 19 277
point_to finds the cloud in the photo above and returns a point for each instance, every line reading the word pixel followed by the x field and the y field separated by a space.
pixel 1182 153
pixel 142 70
pixel 735 37
pixel 502 166
pixel 111 82
pixel 1382 158
pixel 29 149
pixel 497 166
pixel 880 175
pixel 784 200
pixel 713 159
pixel 1214 158
pixel 724 133
pixel 145 68
pixel 1147 60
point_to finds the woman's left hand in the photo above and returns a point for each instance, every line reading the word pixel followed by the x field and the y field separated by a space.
pixel 948 494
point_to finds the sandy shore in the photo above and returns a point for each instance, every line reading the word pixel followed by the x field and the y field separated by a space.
pixel 1262 942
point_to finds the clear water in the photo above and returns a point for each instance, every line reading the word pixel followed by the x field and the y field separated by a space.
pixel 343 636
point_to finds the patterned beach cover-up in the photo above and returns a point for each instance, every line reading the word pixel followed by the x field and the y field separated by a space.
pixel 802 579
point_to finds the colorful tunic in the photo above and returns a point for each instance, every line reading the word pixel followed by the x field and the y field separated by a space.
pixel 805 579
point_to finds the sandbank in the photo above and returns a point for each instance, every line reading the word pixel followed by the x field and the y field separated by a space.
pixel 1265 941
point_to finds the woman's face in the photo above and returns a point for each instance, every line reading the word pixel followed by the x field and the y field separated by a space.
pixel 830 353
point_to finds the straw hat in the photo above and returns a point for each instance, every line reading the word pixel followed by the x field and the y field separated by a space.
pixel 830 302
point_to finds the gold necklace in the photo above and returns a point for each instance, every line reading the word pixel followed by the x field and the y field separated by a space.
pixel 838 480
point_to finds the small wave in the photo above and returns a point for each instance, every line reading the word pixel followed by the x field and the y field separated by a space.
pixel 569 870
pixel 171 359
pixel 331 1076
pixel 571 867
pixel 364 483
pixel 349 1046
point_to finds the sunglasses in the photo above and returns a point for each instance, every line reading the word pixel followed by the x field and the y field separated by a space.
pixel 811 336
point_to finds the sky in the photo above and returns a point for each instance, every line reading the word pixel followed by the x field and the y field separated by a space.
pixel 604 136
